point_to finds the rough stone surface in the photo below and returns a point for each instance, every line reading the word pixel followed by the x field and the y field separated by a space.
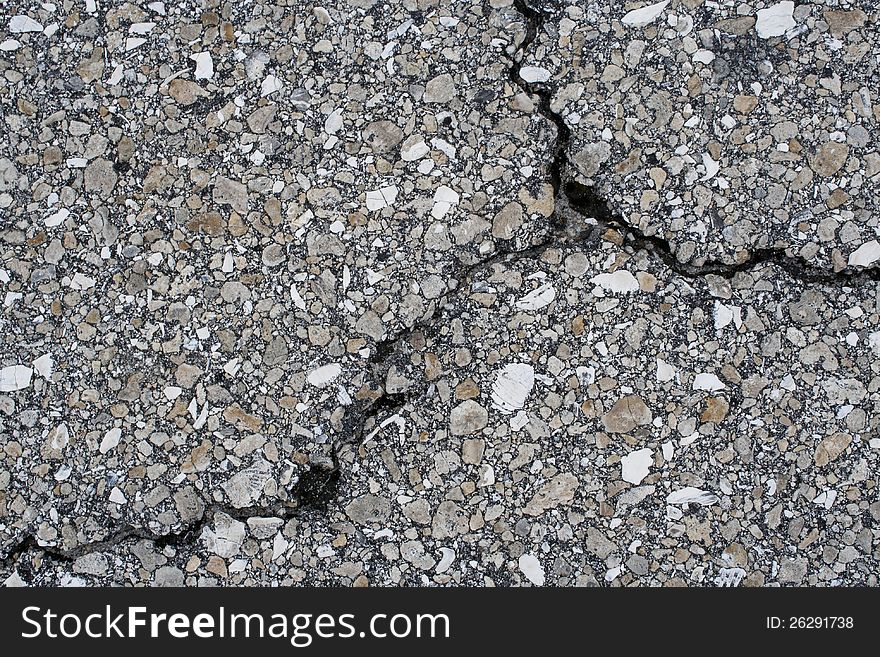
pixel 440 293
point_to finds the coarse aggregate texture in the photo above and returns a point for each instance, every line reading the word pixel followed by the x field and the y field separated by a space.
pixel 724 127
pixel 439 293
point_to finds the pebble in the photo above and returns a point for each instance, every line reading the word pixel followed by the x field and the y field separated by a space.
pixel 532 569
pixel 626 414
pixel 440 89
pixel 15 377
pixel 644 15
pixel 467 418
pixel 21 23
pixel 636 465
pixel 775 20
pixel 512 387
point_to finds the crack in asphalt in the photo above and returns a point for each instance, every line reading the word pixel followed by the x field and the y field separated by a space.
pixel 561 230
pixel 319 485
pixel 313 491
pixel 586 201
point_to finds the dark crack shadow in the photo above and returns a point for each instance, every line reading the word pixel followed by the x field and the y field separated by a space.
pixel 314 492
pixel 587 202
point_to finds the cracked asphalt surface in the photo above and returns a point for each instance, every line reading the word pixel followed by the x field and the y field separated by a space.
pixel 463 293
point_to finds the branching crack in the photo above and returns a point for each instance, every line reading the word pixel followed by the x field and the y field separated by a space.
pixel 559 231
pixel 576 208
pixel 319 485
pixel 588 203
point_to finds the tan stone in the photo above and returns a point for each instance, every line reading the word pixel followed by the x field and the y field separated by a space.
pixel 840 22
pixel 472 451
pixel 738 26
pixel 559 490
pixel 467 389
pixel 829 157
pixel 627 414
pixel 185 92
pixel 830 447
pixel 468 417
pixel 716 410
pixel 241 419
pixel 744 103
pixel 507 221
pixel 440 89
pixel 217 566
pixel 187 375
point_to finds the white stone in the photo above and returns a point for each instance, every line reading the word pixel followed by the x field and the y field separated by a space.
pixel 44 365
pixel 868 253
pixel 110 440
pixel 81 281
pixel 487 476
pixel 115 78
pixel 57 218
pixel 204 65
pixel 246 486
pixel 826 498
pixel 531 568
pixel 324 375
pixel 442 145
pixel 141 28
pixel 512 387
pixel 228 263
pixel 636 465
pixel 381 198
pixel 644 15
pixel 117 496
pixel 15 377
pixel 270 85
pixel 537 299
pixel 232 367
pixel 534 74
pixel 444 198
pixel 691 495
pixel 775 20
pixel 446 559
pixel 226 536
pixel 665 371
pixel 59 437
pixel 333 122
pixel 874 342
pixel 10 44
pixel 619 281
pixel 413 150
pixel 21 23
pixel 704 56
pixel 708 382
pixel 725 314
pixel 14 581
pixel 711 166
